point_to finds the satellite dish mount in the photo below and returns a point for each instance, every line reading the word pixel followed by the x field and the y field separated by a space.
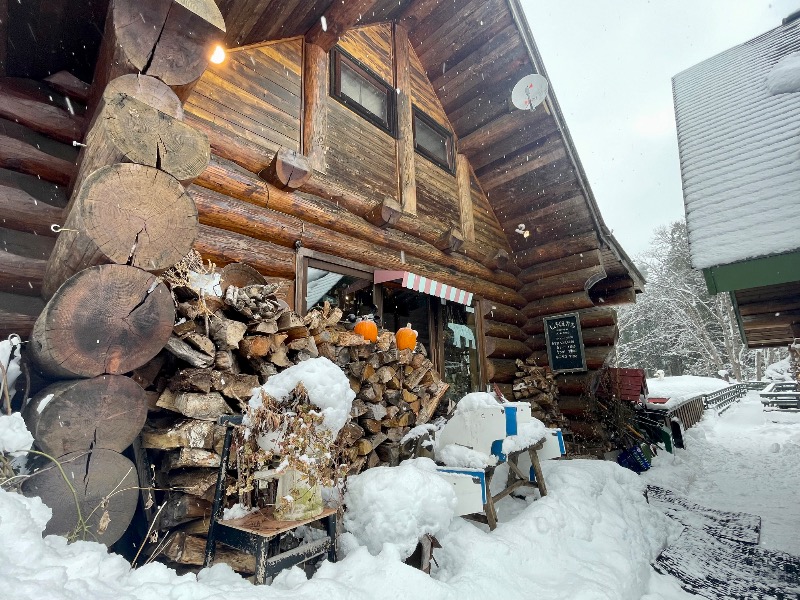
pixel 529 92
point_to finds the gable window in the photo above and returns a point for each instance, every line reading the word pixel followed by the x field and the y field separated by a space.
pixel 361 90
pixel 433 141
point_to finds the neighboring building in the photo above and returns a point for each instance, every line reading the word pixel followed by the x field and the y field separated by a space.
pixel 738 117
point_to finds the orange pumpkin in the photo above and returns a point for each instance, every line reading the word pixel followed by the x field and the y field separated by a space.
pixel 406 338
pixel 368 329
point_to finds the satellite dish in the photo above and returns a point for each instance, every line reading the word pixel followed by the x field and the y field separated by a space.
pixel 529 92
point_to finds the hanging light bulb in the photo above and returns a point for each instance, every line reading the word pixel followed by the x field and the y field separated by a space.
pixel 218 56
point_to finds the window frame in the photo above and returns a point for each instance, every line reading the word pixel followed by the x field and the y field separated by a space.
pixel 309 258
pixel 337 56
pixel 450 165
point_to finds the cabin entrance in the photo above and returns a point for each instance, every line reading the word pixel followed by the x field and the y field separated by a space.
pixel 448 330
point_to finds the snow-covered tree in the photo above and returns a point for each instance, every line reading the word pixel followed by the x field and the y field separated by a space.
pixel 675 324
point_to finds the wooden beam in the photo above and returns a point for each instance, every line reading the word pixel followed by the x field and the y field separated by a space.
pixel 558 304
pixel 21 274
pixel 218 210
pixel 464 190
pixel 229 179
pixel 504 348
pixel 14 322
pixel 450 241
pixel 563 283
pixel 288 170
pixel 22 212
pixel 502 313
pixel 503 330
pixel 127 130
pixel 555 250
pixel 497 260
pixel 385 214
pixel 48 119
pixel 225 247
pixel 508 172
pixel 406 156
pixel 574 262
pixel 171 40
pixel 254 158
pixel 67 84
pixel 339 17
pixel 315 112
pixel 24 158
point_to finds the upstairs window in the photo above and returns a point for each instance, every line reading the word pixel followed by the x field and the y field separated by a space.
pixel 433 141
pixel 361 90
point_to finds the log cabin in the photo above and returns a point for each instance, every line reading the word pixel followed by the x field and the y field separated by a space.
pixel 364 153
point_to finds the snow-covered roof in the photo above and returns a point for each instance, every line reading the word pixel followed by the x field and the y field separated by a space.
pixel 739 140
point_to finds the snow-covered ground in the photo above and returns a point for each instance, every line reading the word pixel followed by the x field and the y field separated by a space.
pixel 746 460
pixel 593 536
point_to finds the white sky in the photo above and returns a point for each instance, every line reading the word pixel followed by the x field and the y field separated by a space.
pixel 610 63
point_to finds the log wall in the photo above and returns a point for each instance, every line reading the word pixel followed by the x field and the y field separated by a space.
pixel 256 94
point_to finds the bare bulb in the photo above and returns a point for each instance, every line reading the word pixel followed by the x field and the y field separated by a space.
pixel 218 56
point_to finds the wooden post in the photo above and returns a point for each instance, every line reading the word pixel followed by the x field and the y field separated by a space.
pixel 106 319
pixel 124 214
pixel 24 158
pixel 406 168
pixel 149 90
pixel 465 198
pixel 171 40
pixel 339 17
pixel 315 112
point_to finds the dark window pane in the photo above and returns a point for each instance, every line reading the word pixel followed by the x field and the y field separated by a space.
pixel 359 89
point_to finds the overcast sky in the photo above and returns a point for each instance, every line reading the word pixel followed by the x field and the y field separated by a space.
pixel 610 63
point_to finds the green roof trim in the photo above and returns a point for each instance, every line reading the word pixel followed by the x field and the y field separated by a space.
pixel 758 272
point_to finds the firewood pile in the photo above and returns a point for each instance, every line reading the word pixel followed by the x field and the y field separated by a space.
pixel 538 386
pixel 223 347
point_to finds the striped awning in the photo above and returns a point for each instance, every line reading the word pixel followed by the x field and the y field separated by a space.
pixel 412 281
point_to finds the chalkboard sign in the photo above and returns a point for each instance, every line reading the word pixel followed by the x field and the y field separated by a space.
pixel 564 343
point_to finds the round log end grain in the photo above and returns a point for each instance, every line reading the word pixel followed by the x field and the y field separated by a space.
pixel 97 475
pixel 138 215
pixel 147 90
pixel 168 40
pixel 147 136
pixel 108 319
pixel 108 412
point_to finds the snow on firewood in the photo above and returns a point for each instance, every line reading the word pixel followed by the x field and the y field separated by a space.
pixel 327 386
pixel 9 358
pixel 398 505
pixel 14 435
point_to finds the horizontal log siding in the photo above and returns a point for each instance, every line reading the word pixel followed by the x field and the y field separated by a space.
pixel 488 231
pixel 437 196
pixel 360 156
pixel 372 45
pixel 255 94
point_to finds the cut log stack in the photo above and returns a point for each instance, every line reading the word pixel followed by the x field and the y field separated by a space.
pixel 538 386
pixel 128 218
pixel 223 348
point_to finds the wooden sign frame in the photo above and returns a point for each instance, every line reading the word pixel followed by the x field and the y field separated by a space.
pixel 578 337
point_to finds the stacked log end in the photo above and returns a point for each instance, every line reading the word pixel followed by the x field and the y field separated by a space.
pixel 223 348
pixel 538 386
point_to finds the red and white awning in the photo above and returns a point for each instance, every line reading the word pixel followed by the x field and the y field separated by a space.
pixel 412 281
